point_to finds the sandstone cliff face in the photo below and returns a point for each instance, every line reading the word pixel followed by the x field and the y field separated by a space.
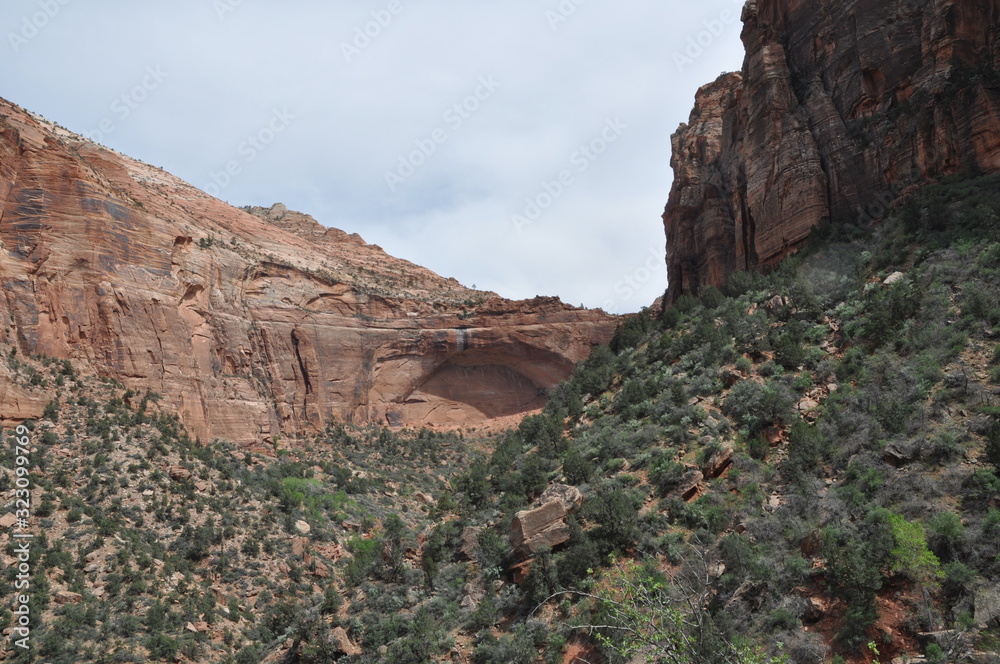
pixel 251 322
pixel 840 106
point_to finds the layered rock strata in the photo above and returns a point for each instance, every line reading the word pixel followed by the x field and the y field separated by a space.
pixel 251 322
pixel 839 108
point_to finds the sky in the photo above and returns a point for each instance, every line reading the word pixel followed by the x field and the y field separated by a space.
pixel 521 147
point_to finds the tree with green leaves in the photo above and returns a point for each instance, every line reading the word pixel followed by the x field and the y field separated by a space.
pixel 910 555
pixel 993 445
pixel 641 615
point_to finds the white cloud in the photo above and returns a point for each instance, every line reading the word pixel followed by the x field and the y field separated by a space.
pixel 354 120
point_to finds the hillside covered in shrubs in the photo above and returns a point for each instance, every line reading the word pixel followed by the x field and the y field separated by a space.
pixel 800 467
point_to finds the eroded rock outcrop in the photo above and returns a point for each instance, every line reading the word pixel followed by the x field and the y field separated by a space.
pixel 16 403
pixel 840 107
pixel 251 322
pixel 545 525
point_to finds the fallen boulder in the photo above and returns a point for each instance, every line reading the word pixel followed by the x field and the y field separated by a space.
pixel 545 525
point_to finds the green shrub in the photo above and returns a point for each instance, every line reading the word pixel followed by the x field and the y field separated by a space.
pixel 577 468
pixel 51 411
pixel 544 432
pixel 670 318
pixel 631 332
pixel 542 580
pixel 665 473
pixel 565 401
pixel 910 555
pixel 788 353
pixel 980 303
pixel 594 375
pixel 517 646
pixel 981 488
pixel 993 445
pixel 493 553
pixel 806 448
pixel 958 580
pixel 758 448
pixel 755 406
pixel 711 297
pixel 856 556
pixel 366 552
pixel 782 620
pixel 935 655
pixel 687 303
pixel 484 616
pixel 46 507
pixel 575 563
pixel 616 514
pixel 946 534
pixel 887 309
pixel 739 283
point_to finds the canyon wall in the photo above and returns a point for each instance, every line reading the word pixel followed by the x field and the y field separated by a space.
pixel 251 322
pixel 839 108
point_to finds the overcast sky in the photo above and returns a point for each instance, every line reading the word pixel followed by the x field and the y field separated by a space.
pixel 520 146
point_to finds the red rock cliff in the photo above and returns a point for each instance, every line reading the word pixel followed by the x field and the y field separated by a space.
pixel 252 322
pixel 840 106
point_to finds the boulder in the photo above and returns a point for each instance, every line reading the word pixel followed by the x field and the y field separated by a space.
pixel 343 643
pixel 179 473
pixel 472 595
pixel 776 303
pixel 67 597
pixel 719 463
pixel 543 526
pixel 816 611
pixel 808 405
pixel 16 403
pixel 569 496
pixel 521 571
pixel 897 454
pixel 470 542
pixel 987 611
pixel 730 377
pixel 690 484
pixel 812 544
pixel 893 278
